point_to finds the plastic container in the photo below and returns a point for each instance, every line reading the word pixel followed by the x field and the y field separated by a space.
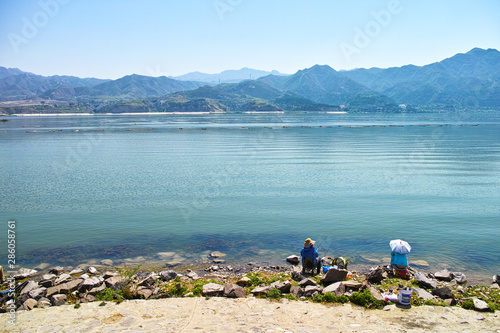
pixel 405 296
pixel 326 268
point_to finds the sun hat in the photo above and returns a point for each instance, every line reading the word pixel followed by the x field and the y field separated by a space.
pixel 309 242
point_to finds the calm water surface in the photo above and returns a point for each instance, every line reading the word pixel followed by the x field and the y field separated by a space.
pixel 253 186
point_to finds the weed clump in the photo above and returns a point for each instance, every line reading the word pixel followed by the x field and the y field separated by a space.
pixel 366 299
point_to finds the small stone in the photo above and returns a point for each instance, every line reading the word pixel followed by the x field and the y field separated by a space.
pixel 192 275
pixel 147 282
pixel 293 259
pixel 218 261
pixel 389 307
pixel 214 255
pixel 29 304
pixel 58 299
pixel 92 270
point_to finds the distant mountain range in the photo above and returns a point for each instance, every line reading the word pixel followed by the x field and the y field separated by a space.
pixel 470 80
pixel 229 76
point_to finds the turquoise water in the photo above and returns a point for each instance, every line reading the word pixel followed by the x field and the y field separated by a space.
pixel 351 182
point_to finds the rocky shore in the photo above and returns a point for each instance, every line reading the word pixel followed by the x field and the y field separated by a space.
pixel 105 285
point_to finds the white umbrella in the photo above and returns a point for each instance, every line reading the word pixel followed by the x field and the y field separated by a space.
pixel 400 246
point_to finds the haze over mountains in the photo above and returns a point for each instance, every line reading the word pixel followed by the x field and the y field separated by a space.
pixel 470 80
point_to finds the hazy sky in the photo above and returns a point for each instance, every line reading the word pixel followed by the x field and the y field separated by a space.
pixel 113 38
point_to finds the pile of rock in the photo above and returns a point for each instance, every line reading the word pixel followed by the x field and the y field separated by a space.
pixel 57 287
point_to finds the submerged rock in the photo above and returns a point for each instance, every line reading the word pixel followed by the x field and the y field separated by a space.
pixel 293 259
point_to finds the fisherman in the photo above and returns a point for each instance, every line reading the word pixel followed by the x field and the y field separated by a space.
pixel 310 257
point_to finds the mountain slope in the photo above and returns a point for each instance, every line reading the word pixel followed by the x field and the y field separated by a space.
pixel 464 80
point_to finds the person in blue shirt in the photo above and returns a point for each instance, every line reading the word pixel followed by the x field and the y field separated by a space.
pixel 310 257
pixel 400 264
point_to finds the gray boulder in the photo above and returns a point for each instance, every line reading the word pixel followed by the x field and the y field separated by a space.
pixel 336 288
pixel 63 278
pixel 115 282
pixel 30 285
pixel 422 293
pixel 425 281
pixel 144 292
pixel 59 299
pixel 234 291
pixel 496 279
pixel 96 290
pixel 43 303
pixel 293 259
pixel 296 291
pixel 24 273
pixel 76 271
pixel 147 282
pixel 69 286
pixel 56 270
pixel 376 294
pixel 38 293
pixel 168 275
pixel 352 284
pixel 308 282
pixel 480 305
pixel 443 293
pixel 443 275
pixel 334 275
pixel 459 277
pixel 284 286
pixel 261 290
pixel 376 275
pixel 311 291
pixel 213 289
pixel 29 304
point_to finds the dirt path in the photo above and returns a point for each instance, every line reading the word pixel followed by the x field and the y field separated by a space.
pixel 245 315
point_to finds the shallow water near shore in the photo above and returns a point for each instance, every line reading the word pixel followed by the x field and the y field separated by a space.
pixel 253 186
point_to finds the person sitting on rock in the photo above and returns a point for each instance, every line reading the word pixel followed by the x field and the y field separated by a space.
pixel 310 257
pixel 399 264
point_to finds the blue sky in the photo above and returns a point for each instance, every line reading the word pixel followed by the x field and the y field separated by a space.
pixel 113 38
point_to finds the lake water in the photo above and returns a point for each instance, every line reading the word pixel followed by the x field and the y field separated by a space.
pixel 253 186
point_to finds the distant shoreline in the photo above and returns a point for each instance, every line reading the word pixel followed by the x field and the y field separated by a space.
pixel 149 113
